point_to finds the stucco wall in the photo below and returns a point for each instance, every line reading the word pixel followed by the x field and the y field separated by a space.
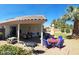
pixel 7 30
pixel 30 28
pixel 24 29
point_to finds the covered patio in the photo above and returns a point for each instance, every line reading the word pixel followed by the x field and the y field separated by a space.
pixel 24 24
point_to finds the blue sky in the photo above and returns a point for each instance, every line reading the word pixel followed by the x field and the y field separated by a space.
pixel 50 11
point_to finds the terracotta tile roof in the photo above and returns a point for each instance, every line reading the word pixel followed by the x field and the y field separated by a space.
pixel 33 17
pixel 26 18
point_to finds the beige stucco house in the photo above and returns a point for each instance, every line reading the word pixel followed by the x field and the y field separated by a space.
pixel 24 24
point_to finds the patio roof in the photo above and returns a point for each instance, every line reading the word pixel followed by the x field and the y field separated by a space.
pixel 34 19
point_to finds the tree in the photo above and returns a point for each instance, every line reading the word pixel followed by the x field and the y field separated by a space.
pixel 72 14
pixel 71 26
pixel 59 24
pixel 56 23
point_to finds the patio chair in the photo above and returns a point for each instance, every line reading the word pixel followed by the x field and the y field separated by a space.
pixel 60 42
pixel 46 43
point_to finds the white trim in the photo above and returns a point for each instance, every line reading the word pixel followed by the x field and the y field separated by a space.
pixel 41 35
pixel 18 32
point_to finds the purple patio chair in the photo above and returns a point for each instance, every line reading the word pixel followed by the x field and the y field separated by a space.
pixel 60 42
pixel 46 43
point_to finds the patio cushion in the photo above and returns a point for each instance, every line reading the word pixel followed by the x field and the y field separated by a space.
pixel 52 40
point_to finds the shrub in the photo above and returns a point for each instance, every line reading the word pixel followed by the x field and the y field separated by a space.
pixel 62 30
pixel 13 50
pixel 69 37
pixel 67 30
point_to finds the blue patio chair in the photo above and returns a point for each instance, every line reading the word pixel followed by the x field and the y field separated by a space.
pixel 46 43
pixel 60 42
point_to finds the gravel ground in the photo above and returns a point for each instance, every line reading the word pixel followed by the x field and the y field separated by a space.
pixel 71 48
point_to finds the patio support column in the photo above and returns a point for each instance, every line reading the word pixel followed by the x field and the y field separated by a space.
pixel 18 32
pixel 41 35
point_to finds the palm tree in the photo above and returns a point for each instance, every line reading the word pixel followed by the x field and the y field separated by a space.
pixel 73 14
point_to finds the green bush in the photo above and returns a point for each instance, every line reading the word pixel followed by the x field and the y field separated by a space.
pixel 67 30
pixel 62 30
pixel 69 37
pixel 13 50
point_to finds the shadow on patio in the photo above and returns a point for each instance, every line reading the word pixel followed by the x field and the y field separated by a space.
pixel 34 39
